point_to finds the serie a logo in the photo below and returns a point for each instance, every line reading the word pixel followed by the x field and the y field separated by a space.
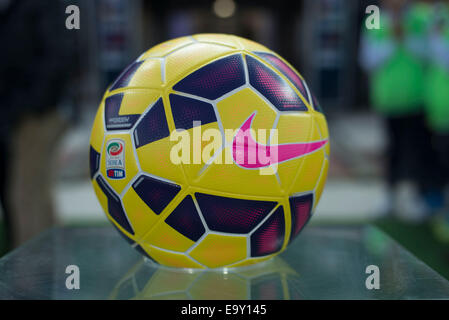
pixel 115 159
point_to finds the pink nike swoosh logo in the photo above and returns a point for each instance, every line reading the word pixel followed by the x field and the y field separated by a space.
pixel 250 154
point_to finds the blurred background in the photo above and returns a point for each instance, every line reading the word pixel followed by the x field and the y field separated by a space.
pixel 385 93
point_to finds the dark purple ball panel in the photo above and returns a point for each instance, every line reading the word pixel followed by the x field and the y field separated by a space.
pixel 152 127
pixel 286 70
pixel 269 237
pixel 273 87
pixel 186 220
pixel 94 161
pixel 115 121
pixel 186 111
pixel 156 193
pixel 301 211
pixel 125 77
pixel 115 208
pixel 232 215
pixel 215 79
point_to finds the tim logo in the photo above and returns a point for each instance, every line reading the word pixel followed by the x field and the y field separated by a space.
pixel 115 159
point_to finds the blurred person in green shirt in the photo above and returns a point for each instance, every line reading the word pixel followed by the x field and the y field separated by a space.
pixel 437 108
pixel 395 57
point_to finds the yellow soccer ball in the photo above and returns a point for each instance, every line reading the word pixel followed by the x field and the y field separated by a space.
pixel 209 151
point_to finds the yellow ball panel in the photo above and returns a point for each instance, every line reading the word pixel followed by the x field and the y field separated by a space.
pixel 166 47
pixel 321 183
pixel 219 250
pixel 165 237
pixel 200 150
pixel 142 217
pixel 236 109
pixel 219 286
pixel 96 138
pixel 309 172
pixel 170 259
pixel 295 128
pixel 286 172
pixel 230 178
pixel 320 121
pixel 184 61
pixel 222 39
pixel 155 159
pixel 250 45
pixel 148 75
pixel 118 185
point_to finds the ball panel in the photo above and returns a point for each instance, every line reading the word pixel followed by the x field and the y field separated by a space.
pixel 288 72
pixel 125 77
pixel 320 121
pixel 269 237
pixel 156 193
pixel 250 45
pixel 152 127
pixel 170 259
pixel 182 62
pixel 166 48
pixel 272 86
pixel 94 162
pixel 292 128
pixel 115 121
pixel 186 111
pixel 137 101
pixel 98 130
pixel 233 180
pixel 165 237
pixel 221 39
pixel 321 183
pixel 296 128
pixel 186 220
pixel 232 215
pixel 309 172
pixel 234 111
pixel 114 205
pixel 237 108
pixel 310 169
pixel 301 211
pixel 117 163
pixel 148 75
pixel 198 153
pixel 139 213
pixel 231 249
pixel 215 79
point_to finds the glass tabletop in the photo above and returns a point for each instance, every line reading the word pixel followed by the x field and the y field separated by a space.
pixel 322 263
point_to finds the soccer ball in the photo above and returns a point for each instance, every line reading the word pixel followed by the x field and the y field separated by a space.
pixel 209 151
